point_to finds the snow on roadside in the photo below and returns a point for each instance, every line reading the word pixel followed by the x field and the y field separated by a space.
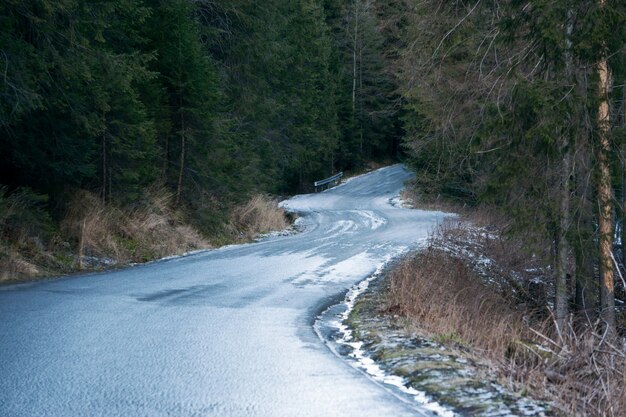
pixel 400 202
pixel 296 227
pixel 360 358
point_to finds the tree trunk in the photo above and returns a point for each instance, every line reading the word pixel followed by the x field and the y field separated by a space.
pixel 624 181
pixel 180 85
pixel 361 98
pixel 605 221
pixel 562 295
pixel 354 51
pixel 586 284
pixel 104 165
pixel 166 158
pixel 562 262
pixel 179 188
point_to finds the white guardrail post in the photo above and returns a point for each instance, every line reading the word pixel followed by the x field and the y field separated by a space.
pixel 334 180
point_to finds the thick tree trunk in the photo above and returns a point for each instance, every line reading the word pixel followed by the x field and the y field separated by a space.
pixel 605 220
pixel 586 284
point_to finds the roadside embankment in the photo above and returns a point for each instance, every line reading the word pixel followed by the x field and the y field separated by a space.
pixel 438 371
pixel 95 235
pixel 467 321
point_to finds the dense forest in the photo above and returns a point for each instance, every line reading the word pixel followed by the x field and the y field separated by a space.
pixel 208 102
pixel 210 98
pixel 517 105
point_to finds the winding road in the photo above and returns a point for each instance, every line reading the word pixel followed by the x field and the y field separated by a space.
pixel 225 332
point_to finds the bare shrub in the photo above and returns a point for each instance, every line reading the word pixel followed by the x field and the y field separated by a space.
pixel 445 297
pixel 158 228
pixel 150 230
pixel 582 370
pixel 260 214
pixel 14 266
pixel 91 224
pixel 25 229
pixel 448 291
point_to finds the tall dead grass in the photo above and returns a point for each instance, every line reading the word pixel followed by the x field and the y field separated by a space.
pixel 95 234
pixel 25 229
pixel 442 295
pixel 258 215
pixel 152 229
pixel 439 290
pixel 14 266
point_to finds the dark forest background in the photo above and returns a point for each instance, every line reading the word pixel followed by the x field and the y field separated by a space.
pixel 213 99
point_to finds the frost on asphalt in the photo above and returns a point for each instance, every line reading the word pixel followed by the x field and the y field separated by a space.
pixel 222 333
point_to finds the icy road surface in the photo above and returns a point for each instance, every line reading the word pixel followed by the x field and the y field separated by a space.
pixel 225 333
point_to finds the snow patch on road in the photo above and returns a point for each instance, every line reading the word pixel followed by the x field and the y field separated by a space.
pixel 358 265
pixel 400 202
pixel 341 226
pixel 373 220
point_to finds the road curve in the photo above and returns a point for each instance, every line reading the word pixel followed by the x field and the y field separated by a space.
pixel 223 333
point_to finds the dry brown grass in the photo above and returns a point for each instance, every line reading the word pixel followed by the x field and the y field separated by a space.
pixel 260 214
pixel 95 234
pixel 441 293
pixel 25 228
pixel 151 230
pixel 14 266
pixel 582 370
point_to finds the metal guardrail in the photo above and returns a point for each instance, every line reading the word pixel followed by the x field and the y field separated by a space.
pixel 334 179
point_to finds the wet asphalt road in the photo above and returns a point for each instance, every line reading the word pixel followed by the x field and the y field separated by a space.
pixel 225 333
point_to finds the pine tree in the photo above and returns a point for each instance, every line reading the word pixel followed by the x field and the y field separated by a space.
pixel 189 81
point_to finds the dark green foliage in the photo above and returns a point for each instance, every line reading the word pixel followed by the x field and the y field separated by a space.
pixel 277 60
pixel 367 93
pixel 23 214
pixel 501 109
pixel 189 82
pixel 214 99
pixel 72 89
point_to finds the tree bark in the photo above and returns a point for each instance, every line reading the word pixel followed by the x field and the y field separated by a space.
pixel 563 249
pixel 104 165
pixel 354 51
pixel 179 188
pixel 605 220
pixel 623 236
pixel 166 158
pixel 586 284
pixel 562 295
